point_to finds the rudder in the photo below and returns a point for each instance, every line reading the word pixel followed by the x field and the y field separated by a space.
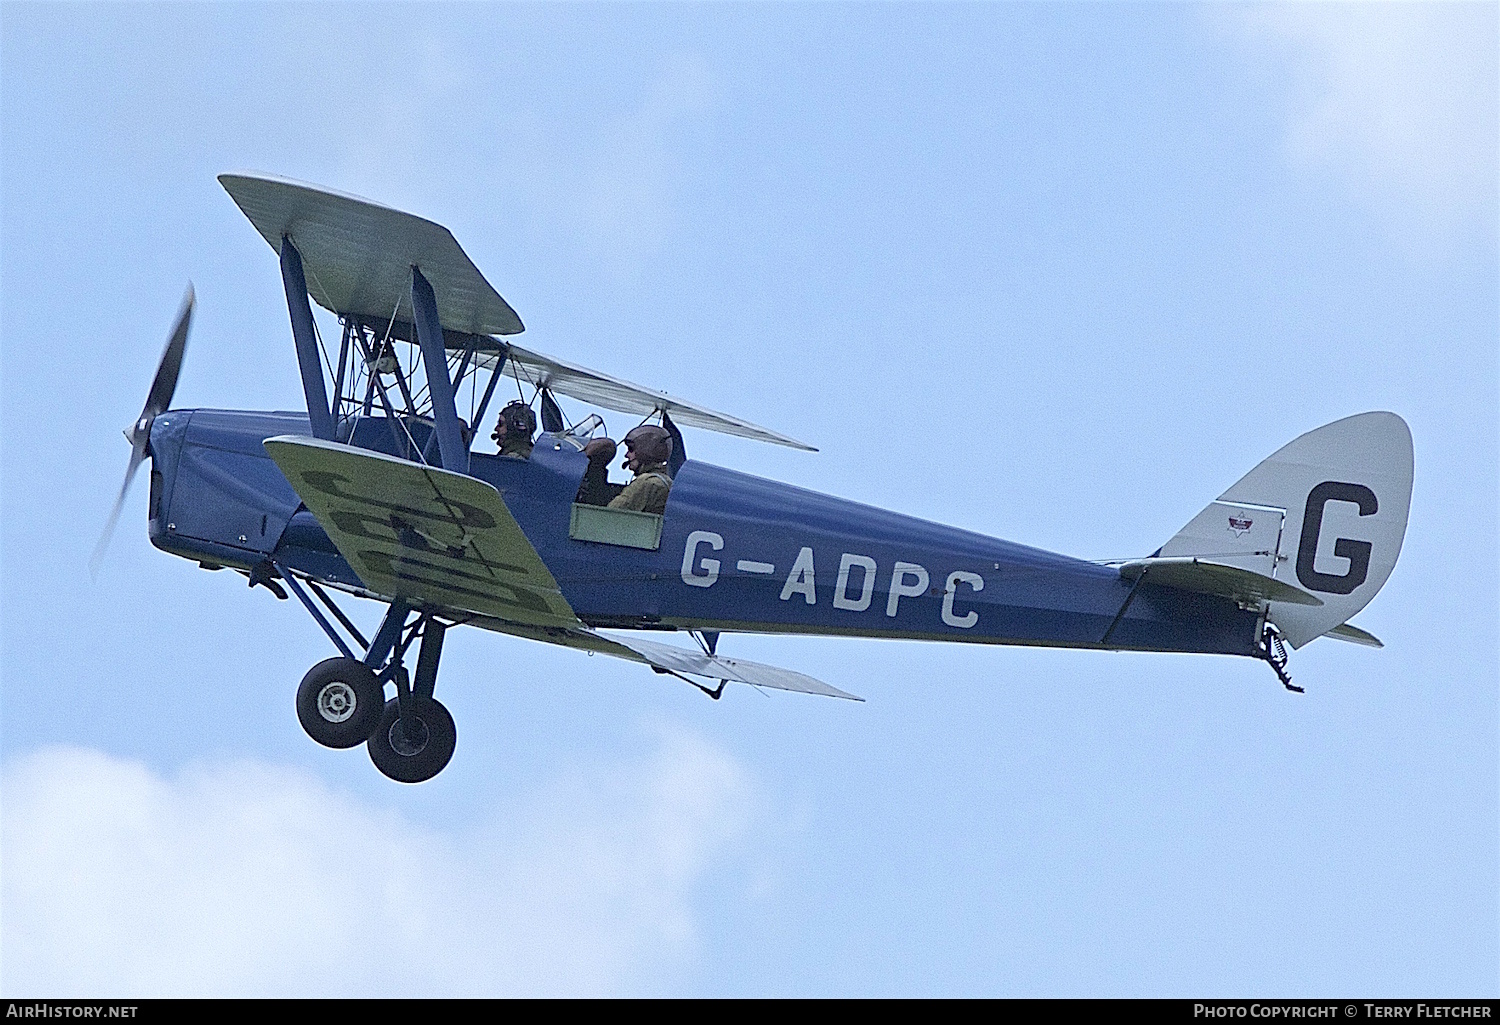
pixel 1325 513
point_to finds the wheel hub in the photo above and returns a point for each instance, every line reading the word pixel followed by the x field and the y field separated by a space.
pixel 408 746
pixel 336 702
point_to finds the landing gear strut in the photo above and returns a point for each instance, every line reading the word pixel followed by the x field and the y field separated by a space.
pixel 341 702
pixel 1273 650
pixel 415 737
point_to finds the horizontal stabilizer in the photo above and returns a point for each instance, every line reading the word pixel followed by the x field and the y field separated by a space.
pixel 358 255
pixel 1203 577
pixel 1354 635
pixel 427 535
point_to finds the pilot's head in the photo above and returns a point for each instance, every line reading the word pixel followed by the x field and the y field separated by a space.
pixel 517 421
pixel 645 446
pixel 599 450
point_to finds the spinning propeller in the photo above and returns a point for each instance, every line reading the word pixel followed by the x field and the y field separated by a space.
pixel 139 433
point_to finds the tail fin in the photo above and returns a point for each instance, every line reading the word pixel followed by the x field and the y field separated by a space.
pixel 1326 513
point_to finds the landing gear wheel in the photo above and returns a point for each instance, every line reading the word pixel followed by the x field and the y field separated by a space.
pixel 417 751
pixel 339 702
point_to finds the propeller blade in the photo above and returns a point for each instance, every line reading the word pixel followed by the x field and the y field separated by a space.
pixel 139 433
pixel 137 456
pixel 171 361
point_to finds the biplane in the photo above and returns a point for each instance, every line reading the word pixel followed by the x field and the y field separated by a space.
pixel 380 489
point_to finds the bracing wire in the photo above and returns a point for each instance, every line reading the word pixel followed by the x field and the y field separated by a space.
pixel 536 389
pixel 423 395
pixel 391 326
pixel 318 334
pixel 374 372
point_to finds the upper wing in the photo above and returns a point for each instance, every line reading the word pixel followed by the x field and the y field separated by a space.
pixel 612 393
pixel 422 533
pixel 1204 577
pixel 358 255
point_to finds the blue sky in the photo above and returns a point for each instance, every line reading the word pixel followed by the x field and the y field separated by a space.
pixel 1058 273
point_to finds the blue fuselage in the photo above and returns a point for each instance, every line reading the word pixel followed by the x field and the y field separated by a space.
pixel 737 553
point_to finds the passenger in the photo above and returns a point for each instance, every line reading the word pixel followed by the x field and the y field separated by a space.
pixel 648 449
pixel 596 488
pixel 514 429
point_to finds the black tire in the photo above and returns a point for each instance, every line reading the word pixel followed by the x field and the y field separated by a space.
pixel 407 762
pixel 339 702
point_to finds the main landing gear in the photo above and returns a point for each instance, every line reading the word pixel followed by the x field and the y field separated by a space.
pixel 341 702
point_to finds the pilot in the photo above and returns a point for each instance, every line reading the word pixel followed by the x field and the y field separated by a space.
pixel 648 449
pixel 514 429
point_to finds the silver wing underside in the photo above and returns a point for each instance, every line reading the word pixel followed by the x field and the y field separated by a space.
pixel 669 658
pixel 613 393
pixel 358 255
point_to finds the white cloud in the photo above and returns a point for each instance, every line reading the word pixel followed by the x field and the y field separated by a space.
pixel 246 878
pixel 1398 98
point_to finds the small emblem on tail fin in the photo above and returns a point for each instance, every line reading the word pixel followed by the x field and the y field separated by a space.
pixel 1240 525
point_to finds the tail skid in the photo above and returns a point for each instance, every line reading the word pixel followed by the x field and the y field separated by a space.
pixel 1273 650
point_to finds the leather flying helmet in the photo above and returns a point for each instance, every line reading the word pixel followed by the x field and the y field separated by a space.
pixel 519 420
pixel 649 444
